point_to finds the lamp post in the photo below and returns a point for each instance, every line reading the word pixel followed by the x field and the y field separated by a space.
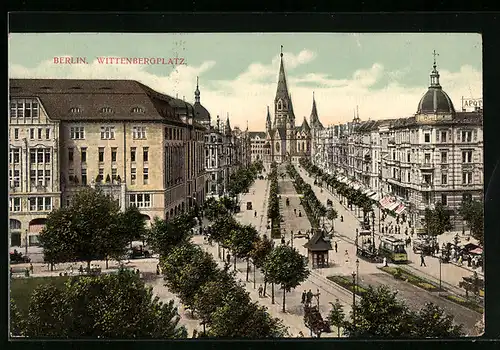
pixel 291 240
pixel 26 242
pixel 354 298
pixel 357 271
pixel 356 241
pixel 440 262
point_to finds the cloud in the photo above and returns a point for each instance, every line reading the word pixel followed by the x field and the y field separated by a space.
pixel 247 95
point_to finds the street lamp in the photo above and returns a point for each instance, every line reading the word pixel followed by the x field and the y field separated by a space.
pixel 440 262
pixel 354 298
pixel 26 242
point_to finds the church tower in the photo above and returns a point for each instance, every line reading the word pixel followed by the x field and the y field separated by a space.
pixel 283 110
pixel 268 121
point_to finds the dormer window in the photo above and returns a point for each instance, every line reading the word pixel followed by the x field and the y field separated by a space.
pixel 106 110
pixel 137 110
pixel 75 110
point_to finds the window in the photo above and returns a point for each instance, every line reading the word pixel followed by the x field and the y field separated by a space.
pixel 140 200
pixel 19 109
pixel 83 154
pixel 466 197
pixel 84 176
pixel 427 179
pixel 16 134
pixel 32 133
pixel 113 154
pixel 139 132
pixel 466 136
pixel 70 155
pixel 114 174
pixel 47 177
pixel 132 154
pixel 48 203
pixel 47 155
pixel 75 110
pixel 47 134
pixel 100 176
pixel 40 131
pixel 409 179
pixel 15 205
pixel 145 174
pixel 77 132
pixel 444 179
pixel 15 178
pixel 444 157
pixel 408 157
pixel 466 156
pixel 15 156
pixel 101 154
pixel 427 137
pixel 107 132
pixel 40 155
pixel 40 203
pixel 427 158
pixel 444 136
pixel 133 175
pixel 137 110
pixel 106 110
pixel 145 154
pixel 467 178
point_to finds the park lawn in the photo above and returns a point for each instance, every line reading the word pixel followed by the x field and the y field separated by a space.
pixel 409 277
pixel 347 284
pixel 464 302
pixel 22 288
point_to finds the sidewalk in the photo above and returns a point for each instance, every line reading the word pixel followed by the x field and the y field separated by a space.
pixel 450 273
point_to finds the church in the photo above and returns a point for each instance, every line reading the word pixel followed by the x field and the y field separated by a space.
pixel 286 142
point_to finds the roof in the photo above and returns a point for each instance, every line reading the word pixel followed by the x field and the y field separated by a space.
pixel 282 89
pixel 254 134
pixel 128 100
pixel 435 100
pixel 305 126
pixel 318 242
pixel 200 112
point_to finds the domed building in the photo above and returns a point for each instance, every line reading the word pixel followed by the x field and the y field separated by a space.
pixel 201 115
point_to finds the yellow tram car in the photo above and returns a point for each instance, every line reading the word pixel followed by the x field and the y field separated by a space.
pixel 393 249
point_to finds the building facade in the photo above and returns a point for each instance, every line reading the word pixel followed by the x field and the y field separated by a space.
pixel 409 164
pixel 143 147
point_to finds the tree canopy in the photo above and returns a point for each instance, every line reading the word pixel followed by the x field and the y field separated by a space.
pixel 437 220
pixel 473 213
pixel 112 306
pixel 88 229
pixel 165 235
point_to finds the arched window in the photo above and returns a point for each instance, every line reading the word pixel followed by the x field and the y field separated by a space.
pixel 15 224
pixel 106 110
pixel 277 146
pixel 280 105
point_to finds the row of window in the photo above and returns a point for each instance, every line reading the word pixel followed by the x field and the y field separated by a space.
pixel 35 204
pixel 140 200
pixel 106 110
pixel 34 133
pixel 467 177
pixel 114 152
pixel 24 109
pixel 107 133
pixel 174 134
pixel 114 176
pixel 38 177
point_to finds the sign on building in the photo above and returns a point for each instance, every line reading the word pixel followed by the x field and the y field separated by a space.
pixel 469 104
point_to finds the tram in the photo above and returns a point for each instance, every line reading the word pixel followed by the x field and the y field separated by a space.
pixel 393 249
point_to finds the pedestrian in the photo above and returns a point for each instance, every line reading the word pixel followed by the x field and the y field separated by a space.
pixel 385 261
pixel 228 257
pixel 346 256
pixel 282 240
pixel 469 261
pixel 157 269
pixel 137 272
pixel 336 246
pixel 422 261
pixel 31 268
pixel 260 291
pixel 309 296
pixel 80 269
pixel 11 272
pixel 255 214
pixel 304 295
pixel 295 211
pixel 406 231
pixel 341 218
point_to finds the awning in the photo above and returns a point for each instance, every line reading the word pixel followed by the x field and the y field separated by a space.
pixel 384 202
pixel 477 251
pixel 367 191
pixel 356 186
pixel 401 208
pixel 393 205
pixel 375 196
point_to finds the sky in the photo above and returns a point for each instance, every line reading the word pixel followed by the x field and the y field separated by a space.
pixel 383 75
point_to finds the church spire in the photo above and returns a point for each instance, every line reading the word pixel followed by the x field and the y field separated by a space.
pixel 282 90
pixel 435 73
pixel 197 92
pixel 268 119
pixel 228 126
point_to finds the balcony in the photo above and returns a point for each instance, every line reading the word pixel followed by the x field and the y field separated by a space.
pixel 426 166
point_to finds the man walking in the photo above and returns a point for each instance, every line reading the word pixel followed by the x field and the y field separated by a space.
pixel 255 214
pixel 336 247
pixel 309 296
pixel 304 295
pixel 422 261
pixel 260 291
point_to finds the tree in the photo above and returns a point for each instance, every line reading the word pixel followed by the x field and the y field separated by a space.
pixel 163 236
pixel 86 230
pixel 287 267
pixel 213 208
pixel 381 314
pixel 432 322
pixel 186 268
pixel 437 221
pixel 16 320
pixel 473 213
pixel 107 306
pixel 314 321
pixel 261 249
pixel 336 317
pixel 133 223
pixel 241 242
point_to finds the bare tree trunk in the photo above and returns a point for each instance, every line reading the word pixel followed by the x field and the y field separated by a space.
pixel 106 262
pixel 254 274
pixel 265 284
pixel 284 292
pixel 234 265
pixel 272 292
pixel 248 268
pixel 338 331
